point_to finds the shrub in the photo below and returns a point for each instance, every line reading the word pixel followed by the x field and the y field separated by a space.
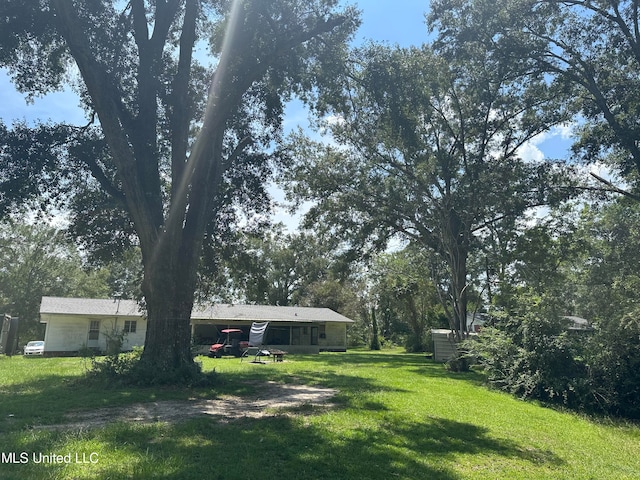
pixel 536 360
pixel 461 361
pixel 113 368
pixel 114 340
pixel 534 356
pixel 128 369
pixel 613 358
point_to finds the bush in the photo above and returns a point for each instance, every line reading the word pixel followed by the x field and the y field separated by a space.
pixel 613 358
pixel 113 368
pixel 536 360
pixel 462 360
pixel 536 357
pixel 129 369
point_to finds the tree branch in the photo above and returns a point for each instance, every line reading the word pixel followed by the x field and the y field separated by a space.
pixel 181 105
pixel 106 99
pixel 614 188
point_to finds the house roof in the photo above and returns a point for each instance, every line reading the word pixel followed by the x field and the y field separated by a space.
pixel 267 312
pixel 578 323
pixel 89 306
pixel 226 312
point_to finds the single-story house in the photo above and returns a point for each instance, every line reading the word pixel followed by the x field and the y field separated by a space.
pixel 73 324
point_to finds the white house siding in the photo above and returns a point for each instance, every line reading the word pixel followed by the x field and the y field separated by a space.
pixel 69 334
pixel 68 322
pixel 132 339
pixel 65 334
pixel 335 337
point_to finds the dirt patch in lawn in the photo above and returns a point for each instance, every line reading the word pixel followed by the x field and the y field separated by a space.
pixel 271 399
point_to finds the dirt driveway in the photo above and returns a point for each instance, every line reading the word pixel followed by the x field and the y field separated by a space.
pixel 270 398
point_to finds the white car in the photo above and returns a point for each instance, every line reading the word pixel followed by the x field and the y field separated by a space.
pixel 34 348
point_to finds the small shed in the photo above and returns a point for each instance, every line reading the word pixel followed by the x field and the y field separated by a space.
pixel 444 343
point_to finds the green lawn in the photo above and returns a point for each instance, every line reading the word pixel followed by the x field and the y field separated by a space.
pixel 397 416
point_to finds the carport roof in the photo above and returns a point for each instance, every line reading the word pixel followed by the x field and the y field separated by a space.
pixel 222 312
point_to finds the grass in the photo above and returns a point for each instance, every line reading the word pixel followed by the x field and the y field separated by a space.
pixel 397 416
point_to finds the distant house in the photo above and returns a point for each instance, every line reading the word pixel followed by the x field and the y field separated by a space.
pixel 475 321
pixel 578 324
pixel 76 323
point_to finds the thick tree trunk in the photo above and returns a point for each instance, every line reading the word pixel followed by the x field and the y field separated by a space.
pixel 168 288
pixel 171 233
pixel 168 338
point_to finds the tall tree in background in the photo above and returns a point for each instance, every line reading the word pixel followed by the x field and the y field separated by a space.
pixel 608 282
pixel 406 297
pixel 134 67
pixel 277 268
pixel 429 149
pixel 590 47
pixel 37 261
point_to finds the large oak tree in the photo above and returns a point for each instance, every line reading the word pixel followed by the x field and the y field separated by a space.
pixel 174 141
pixel 428 147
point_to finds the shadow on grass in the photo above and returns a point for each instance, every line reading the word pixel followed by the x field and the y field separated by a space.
pixel 379 444
pixel 415 362
pixel 45 399
pixel 433 369
pixel 284 447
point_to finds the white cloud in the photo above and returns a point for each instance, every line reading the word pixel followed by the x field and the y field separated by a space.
pixel 553 143
pixel 564 131
pixel 530 152
pixel 334 120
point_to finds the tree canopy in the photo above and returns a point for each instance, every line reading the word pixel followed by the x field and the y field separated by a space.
pixel 428 147
pixel 38 261
pixel 590 48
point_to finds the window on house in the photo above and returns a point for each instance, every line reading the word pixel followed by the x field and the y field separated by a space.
pixel 94 329
pixel 130 326
pixel 322 331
